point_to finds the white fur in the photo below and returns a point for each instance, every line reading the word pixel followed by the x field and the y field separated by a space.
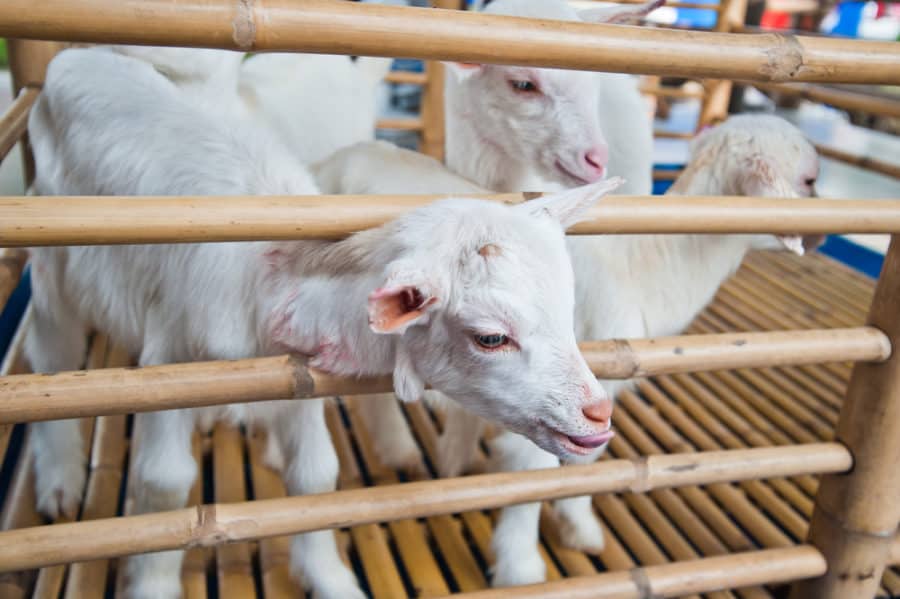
pixel 317 104
pixel 110 124
pixel 507 140
pixel 209 76
pixel 627 286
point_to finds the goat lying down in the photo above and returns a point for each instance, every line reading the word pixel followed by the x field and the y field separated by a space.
pixel 627 286
pixel 473 297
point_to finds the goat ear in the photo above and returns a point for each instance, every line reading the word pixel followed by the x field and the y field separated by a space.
pixel 463 70
pixel 758 176
pixel 408 385
pixel 621 15
pixel 569 207
pixel 403 301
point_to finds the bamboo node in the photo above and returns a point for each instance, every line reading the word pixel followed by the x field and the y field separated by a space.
pixel 641 482
pixel 784 58
pixel 244 25
pixel 642 583
pixel 304 384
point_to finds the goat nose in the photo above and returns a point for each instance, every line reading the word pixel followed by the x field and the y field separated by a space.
pixel 596 158
pixel 599 412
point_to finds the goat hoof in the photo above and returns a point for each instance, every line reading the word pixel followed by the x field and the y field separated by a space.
pixel 401 453
pixel 59 488
pixel 585 535
pixel 524 569
pixel 339 586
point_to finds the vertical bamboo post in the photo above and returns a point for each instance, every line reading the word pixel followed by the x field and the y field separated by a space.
pixel 433 99
pixel 718 91
pixel 857 513
pixel 28 60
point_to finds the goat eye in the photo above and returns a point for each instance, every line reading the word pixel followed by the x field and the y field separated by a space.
pixel 495 341
pixel 809 182
pixel 522 85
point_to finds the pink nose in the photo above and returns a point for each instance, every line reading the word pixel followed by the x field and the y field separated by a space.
pixel 595 161
pixel 599 412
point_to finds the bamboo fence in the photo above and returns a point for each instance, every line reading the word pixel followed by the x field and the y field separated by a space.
pixel 854 518
pixel 34 397
pixel 84 220
pixel 216 524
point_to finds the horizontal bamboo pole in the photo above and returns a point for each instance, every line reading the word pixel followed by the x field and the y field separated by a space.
pixel 408 77
pixel 623 359
pixel 716 7
pixel 839 98
pixel 672 135
pixel 322 26
pixel 97 392
pixel 671 92
pixel 676 579
pixel 15 120
pixel 400 124
pixel 864 162
pixel 666 174
pixel 212 525
pixel 81 220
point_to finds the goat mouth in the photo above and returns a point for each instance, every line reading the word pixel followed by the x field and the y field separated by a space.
pixel 584 444
pixel 581 180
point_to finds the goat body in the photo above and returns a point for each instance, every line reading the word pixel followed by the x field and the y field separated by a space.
pixel 415 298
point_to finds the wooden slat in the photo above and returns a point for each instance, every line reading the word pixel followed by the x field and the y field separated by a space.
pixel 743 408
pixel 233 562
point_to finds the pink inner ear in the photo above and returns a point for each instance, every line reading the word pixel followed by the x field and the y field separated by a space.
pixel 390 309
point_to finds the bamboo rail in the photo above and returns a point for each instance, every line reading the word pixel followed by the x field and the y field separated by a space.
pixel 713 7
pixel 12 263
pixel 872 164
pixel 28 62
pixel 666 175
pixel 670 92
pixel 82 220
pixel 856 514
pixel 408 124
pixel 676 579
pixel 672 135
pixel 26 398
pixel 15 120
pixel 839 98
pixel 212 525
pixel 320 26
pixel 406 77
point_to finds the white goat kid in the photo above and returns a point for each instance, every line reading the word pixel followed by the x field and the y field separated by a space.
pixel 379 167
pixel 473 297
pixel 645 286
pixel 520 128
pixel 317 104
pixel 627 286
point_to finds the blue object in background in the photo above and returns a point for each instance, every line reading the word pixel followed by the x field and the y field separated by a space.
pixel 15 308
pixel 660 187
pixel 857 257
pixel 408 64
pixel 697 17
pixel 849 18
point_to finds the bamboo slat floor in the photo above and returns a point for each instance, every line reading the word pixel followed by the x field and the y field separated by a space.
pixel 440 555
